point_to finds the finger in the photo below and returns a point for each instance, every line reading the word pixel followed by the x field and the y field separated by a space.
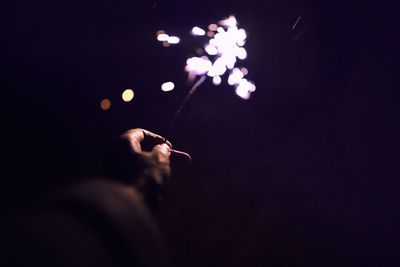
pixel 180 156
pixel 135 136
pixel 151 140
pixel 155 138
pixel 162 153
pixel 142 139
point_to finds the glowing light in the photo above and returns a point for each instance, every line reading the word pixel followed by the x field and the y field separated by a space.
pixel 199 51
pixel 245 88
pixel 213 27
pixel 235 76
pixel 217 80
pixel 211 50
pixel 218 68
pixel 198 31
pixel 173 40
pixel 225 47
pixel 198 65
pixel 167 86
pixel 241 53
pixel 241 42
pixel 220 29
pixel 128 95
pixel 242 34
pixel 243 93
pixel 229 22
pixel 105 104
pixel 160 32
pixel 230 62
pixel 210 34
pixel 162 37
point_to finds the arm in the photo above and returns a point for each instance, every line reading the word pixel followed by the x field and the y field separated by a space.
pixel 106 220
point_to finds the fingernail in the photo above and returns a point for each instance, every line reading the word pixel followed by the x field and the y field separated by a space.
pixel 166 148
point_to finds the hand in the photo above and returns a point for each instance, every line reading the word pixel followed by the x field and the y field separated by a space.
pixel 142 158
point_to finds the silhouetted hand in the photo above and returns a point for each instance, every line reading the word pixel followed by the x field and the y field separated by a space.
pixel 142 159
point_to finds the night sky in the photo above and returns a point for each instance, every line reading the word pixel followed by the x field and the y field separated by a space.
pixel 304 173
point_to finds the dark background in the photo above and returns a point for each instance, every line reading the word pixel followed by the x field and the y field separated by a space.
pixel 304 173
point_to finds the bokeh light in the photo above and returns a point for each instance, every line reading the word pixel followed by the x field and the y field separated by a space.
pixel 213 27
pixel 167 86
pixel 162 37
pixel 198 65
pixel 173 40
pixel 223 49
pixel 105 104
pixel 245 88
pixel 198 31
pixel 235 77
pixel 211 50
pixel 217 80
pixel 128 95
pixel 160 32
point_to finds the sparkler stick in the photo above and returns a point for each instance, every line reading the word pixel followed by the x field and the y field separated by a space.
pixel 195 86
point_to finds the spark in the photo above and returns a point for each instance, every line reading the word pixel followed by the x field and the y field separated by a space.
pixel 235 76
pixel 128 95
pixel 173 40
pixel 296 22
pixel 217 80
pixel 162 37
pixel 167 39
pixel 224 48
pixel 245 88
pixel 198 31
pixel 229 22
pixel 160 32
pixel 211 50
pixel 105 104
pixel 198 65
pixel 213 27
pixel 241 53
pixel 167 86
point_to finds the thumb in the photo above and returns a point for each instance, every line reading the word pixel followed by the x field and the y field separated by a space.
pixel 161 153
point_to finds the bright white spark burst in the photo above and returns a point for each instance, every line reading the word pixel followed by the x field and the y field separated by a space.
pixel 224 48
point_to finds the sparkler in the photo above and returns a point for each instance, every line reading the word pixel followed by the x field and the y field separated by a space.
pixel 224 47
